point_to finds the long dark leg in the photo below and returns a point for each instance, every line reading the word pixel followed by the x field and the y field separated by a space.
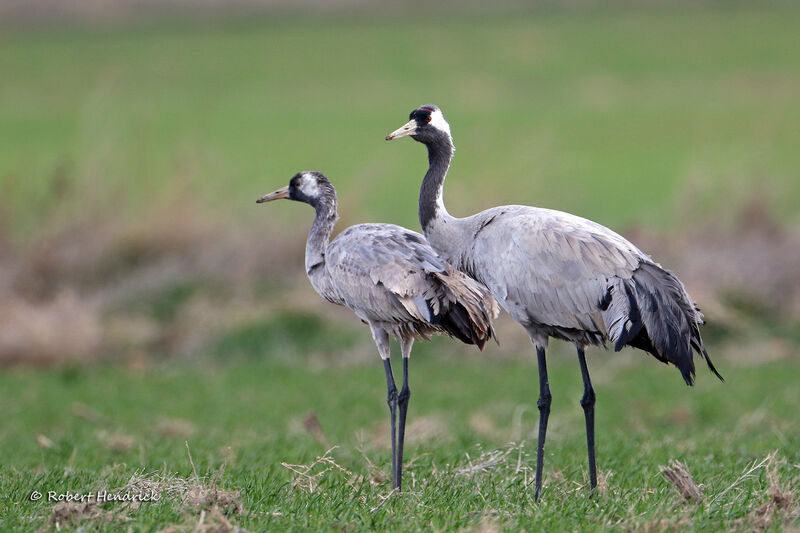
pixel 544 414
pixel 587 402
pixel 382 342
pixel 405 394
pixel 391 399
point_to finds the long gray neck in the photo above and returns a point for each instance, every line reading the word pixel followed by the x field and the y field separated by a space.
pixel 431 203
pixel 320 233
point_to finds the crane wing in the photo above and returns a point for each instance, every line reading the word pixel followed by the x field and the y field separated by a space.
pixel 550 267
pixel 391 275
pixel 381 272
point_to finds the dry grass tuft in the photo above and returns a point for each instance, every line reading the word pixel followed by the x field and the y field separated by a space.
pixel 780 508
pixel 490 460
pixel 159 484
pixel 68 513
pixel 200 497
pixel 682 480
pixel 307 477
pixel 194 494
pixel 73 513
pixel 375 476
pixel 205 496
pixel 511 460
pixel 755 467
pixel 602 482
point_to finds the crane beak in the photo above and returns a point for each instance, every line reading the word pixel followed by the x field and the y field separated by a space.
pixel 408 129
pixel 281 193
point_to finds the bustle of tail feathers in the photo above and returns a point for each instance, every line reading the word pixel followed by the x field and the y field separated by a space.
pixel 653 312
pixel 465 308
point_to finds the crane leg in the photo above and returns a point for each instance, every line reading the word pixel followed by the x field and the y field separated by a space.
pixel 402 398
pixel 391 399
pixel 587 402
pixel 544 413
pixel 384 349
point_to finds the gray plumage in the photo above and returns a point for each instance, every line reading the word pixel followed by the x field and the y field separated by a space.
pixel 563 276
pixel 393 280
pixel 560 276
pixel 557 274
pixel 389 276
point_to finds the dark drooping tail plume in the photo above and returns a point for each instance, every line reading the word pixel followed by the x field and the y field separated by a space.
pixel 465 308
pixel 653 312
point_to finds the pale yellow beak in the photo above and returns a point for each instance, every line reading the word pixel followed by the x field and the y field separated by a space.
pixel 281 193
pixel 408 129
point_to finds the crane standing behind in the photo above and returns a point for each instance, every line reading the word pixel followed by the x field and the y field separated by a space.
pixel 559 276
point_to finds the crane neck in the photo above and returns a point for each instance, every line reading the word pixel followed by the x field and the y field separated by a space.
pixel 431 203
pixel 320 234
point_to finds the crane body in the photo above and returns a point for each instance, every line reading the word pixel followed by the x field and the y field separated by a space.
pixel 558 275
pixel 395 282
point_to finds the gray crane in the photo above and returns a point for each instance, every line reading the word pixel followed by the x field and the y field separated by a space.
pixel 393 280
pixel 560 276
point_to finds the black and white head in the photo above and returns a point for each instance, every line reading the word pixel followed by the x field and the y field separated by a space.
pixel 310 187
pixel 426 125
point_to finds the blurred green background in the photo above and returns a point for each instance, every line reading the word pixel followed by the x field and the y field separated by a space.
pixel 134 261
pixel 613 113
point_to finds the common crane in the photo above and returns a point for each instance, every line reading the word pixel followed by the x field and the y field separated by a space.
pixel 558 275
pixel 393 280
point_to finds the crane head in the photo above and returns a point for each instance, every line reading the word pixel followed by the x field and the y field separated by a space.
pixel 310 187
pixel 426 124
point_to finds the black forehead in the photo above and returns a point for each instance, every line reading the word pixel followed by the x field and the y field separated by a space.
pixel 308 174
pixel 421 112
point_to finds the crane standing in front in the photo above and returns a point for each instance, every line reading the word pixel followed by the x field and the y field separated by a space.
pixel 559 276
pixel 393 280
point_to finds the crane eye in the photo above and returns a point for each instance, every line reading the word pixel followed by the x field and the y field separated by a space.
pixel 428 118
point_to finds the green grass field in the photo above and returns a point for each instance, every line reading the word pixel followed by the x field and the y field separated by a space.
pixel 472 442
pixel 660 117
